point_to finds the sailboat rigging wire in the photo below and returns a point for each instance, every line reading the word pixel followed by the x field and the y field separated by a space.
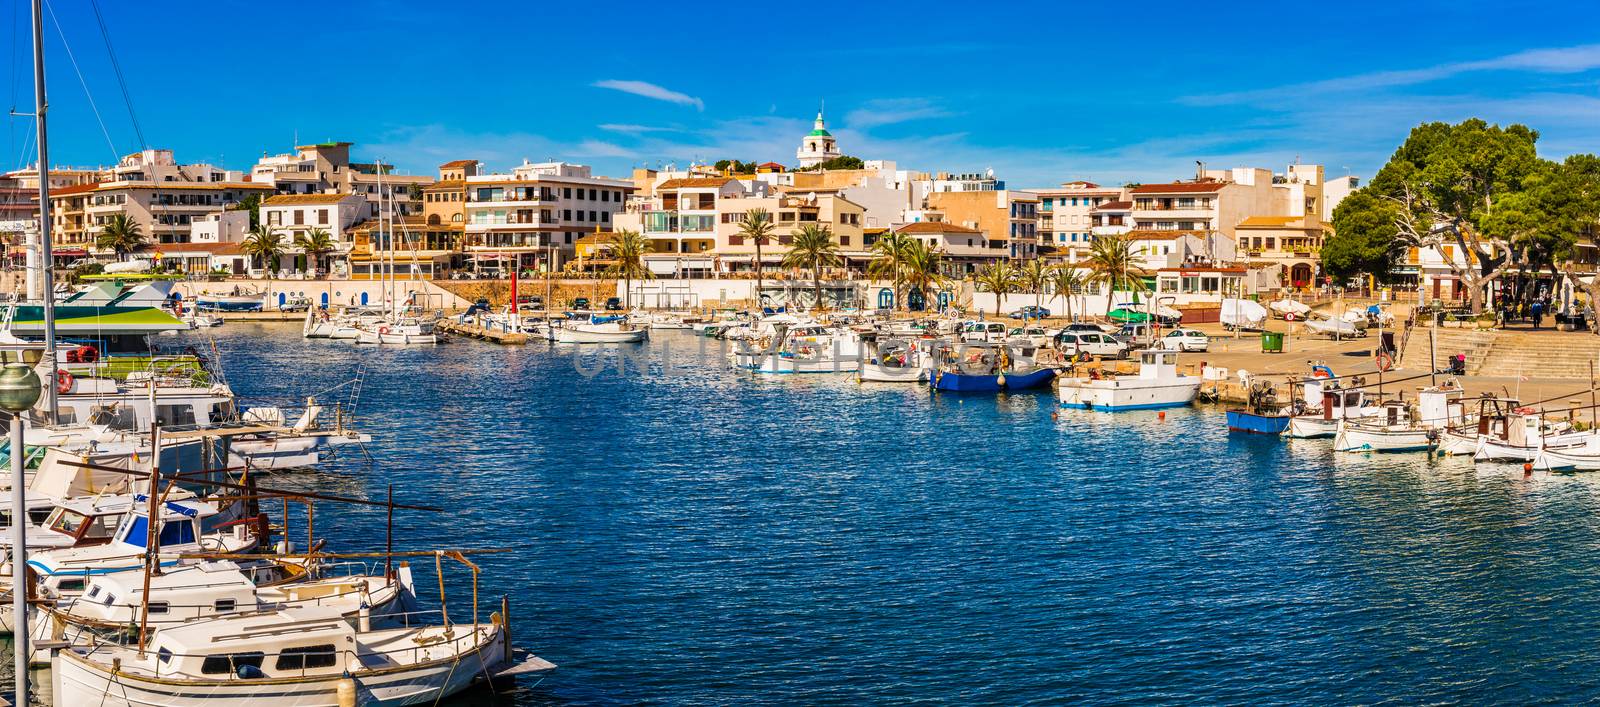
pixel 116 67
pixel 73 59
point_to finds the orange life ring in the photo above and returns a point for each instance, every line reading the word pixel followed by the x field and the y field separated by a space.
pixel 88 353
pixel 383 330
pixel 1385 362
pixel 63 381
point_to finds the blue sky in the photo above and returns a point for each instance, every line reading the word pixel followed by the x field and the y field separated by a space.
pixel 1042 93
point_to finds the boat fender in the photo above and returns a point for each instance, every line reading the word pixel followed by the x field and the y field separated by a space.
pixel 383 330
pixel 345 691
pixel 63 381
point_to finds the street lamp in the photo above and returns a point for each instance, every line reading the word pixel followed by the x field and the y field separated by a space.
pixel 19 390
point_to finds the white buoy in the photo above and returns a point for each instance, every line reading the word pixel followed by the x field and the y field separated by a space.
pixel 345 690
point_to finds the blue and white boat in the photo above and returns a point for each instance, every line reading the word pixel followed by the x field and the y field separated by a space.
pixel 1240 420
pixel 1158 385
pixel 229 303
pixel 988 368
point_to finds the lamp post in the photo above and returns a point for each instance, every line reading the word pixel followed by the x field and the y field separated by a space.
pixel 19 391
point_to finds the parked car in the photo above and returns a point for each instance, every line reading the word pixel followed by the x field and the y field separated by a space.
pixel 1136 336
pixel 1073 343
pixel 580 303
pixel 1186 340
pixel 1085 326
pixel 1031 312
pixel 1035 335
pixel 983 331
pixel 613 304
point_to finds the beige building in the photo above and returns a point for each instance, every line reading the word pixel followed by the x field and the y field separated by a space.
pixel 1066 215
pixel 165 199
pixel 534 216
pixel 1274 220
pixel 693 223
pixel 965 249
pixel 1008 219
pixel 325 168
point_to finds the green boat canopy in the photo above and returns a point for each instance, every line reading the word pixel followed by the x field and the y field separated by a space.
pixel 1128 315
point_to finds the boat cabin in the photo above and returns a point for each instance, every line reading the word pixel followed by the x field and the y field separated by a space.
pixel 193 591
pixel 289 643
pixel 1158 364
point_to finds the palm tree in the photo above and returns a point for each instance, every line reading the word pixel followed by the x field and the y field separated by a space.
pixel 1034 275
pixel 315 243
pixel 1064 278
pixel 627 255
pixel 923 270
pixel 120 235
pixel 757 226
pixel 999 278
pixel 889 259
pixel 265 245
pixel 1110 262
pixel 813 247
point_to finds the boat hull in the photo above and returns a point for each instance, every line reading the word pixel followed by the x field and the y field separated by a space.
pixel 1122 395
pixel 580 336
pixel 228 304
pixel 1253 423
pixel 1494 450
pixel 1311 427
pixel 1355 438
pixel 873 373
pixel 1567 460
pixel 964 383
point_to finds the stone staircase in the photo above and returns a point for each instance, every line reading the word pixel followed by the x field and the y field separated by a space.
pixel 1477 345
pixel 1542 354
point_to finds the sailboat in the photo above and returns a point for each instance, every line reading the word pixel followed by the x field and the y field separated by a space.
pixel 399 326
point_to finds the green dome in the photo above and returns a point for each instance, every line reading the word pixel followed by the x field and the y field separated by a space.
pixel 819 132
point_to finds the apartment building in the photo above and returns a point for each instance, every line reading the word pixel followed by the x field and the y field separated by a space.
pixel 1009 219
pixel 1066 214
pixel 164 198
pixel 533 216
pixel 325 168
pixel 294 215
pixel 1273 219
pixel 693 224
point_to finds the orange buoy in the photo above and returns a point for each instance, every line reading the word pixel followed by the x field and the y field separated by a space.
pixel 1527 469
pixel 1162 416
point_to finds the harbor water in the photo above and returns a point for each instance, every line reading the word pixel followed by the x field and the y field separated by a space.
pixel 691 534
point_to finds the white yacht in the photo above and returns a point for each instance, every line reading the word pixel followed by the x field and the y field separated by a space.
pixel 802 348
pixel 300 656
pixel 1158 385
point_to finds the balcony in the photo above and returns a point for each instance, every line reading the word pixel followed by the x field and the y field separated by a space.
pixel 508 198
pixel 510 223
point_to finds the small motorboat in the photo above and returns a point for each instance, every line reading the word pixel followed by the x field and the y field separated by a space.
pixel 988 368
pixel 1263 413
pixel 898 361
pixel 230 303
pixel 600 330
pixel 1158 385
pixel 1334 328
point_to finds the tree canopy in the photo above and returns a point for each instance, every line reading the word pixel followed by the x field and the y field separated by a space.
pixel 1474 189
pixel 840 162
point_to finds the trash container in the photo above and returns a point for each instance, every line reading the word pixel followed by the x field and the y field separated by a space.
pixel 1271 342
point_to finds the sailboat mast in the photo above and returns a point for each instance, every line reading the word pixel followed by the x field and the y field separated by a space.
pixel 46 264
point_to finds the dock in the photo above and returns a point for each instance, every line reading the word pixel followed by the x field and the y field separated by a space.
pixel 481 333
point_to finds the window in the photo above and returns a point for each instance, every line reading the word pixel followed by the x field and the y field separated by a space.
pixel 178 532
pixel 224 664
pixel 275 218
pixel 305 657
pixel 566 214
pixel 566 192
pixel 592 195
pixel 299 217
pixel 158 607
pixel 322 216
pixel 224 606
pixel 165 655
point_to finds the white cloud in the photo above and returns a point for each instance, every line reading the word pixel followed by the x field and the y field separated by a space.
pixel 630 129
pixel 1560 60
pixel 888 111
pixel 650 90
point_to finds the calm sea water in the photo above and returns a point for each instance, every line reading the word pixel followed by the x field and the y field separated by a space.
pixel 713 537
